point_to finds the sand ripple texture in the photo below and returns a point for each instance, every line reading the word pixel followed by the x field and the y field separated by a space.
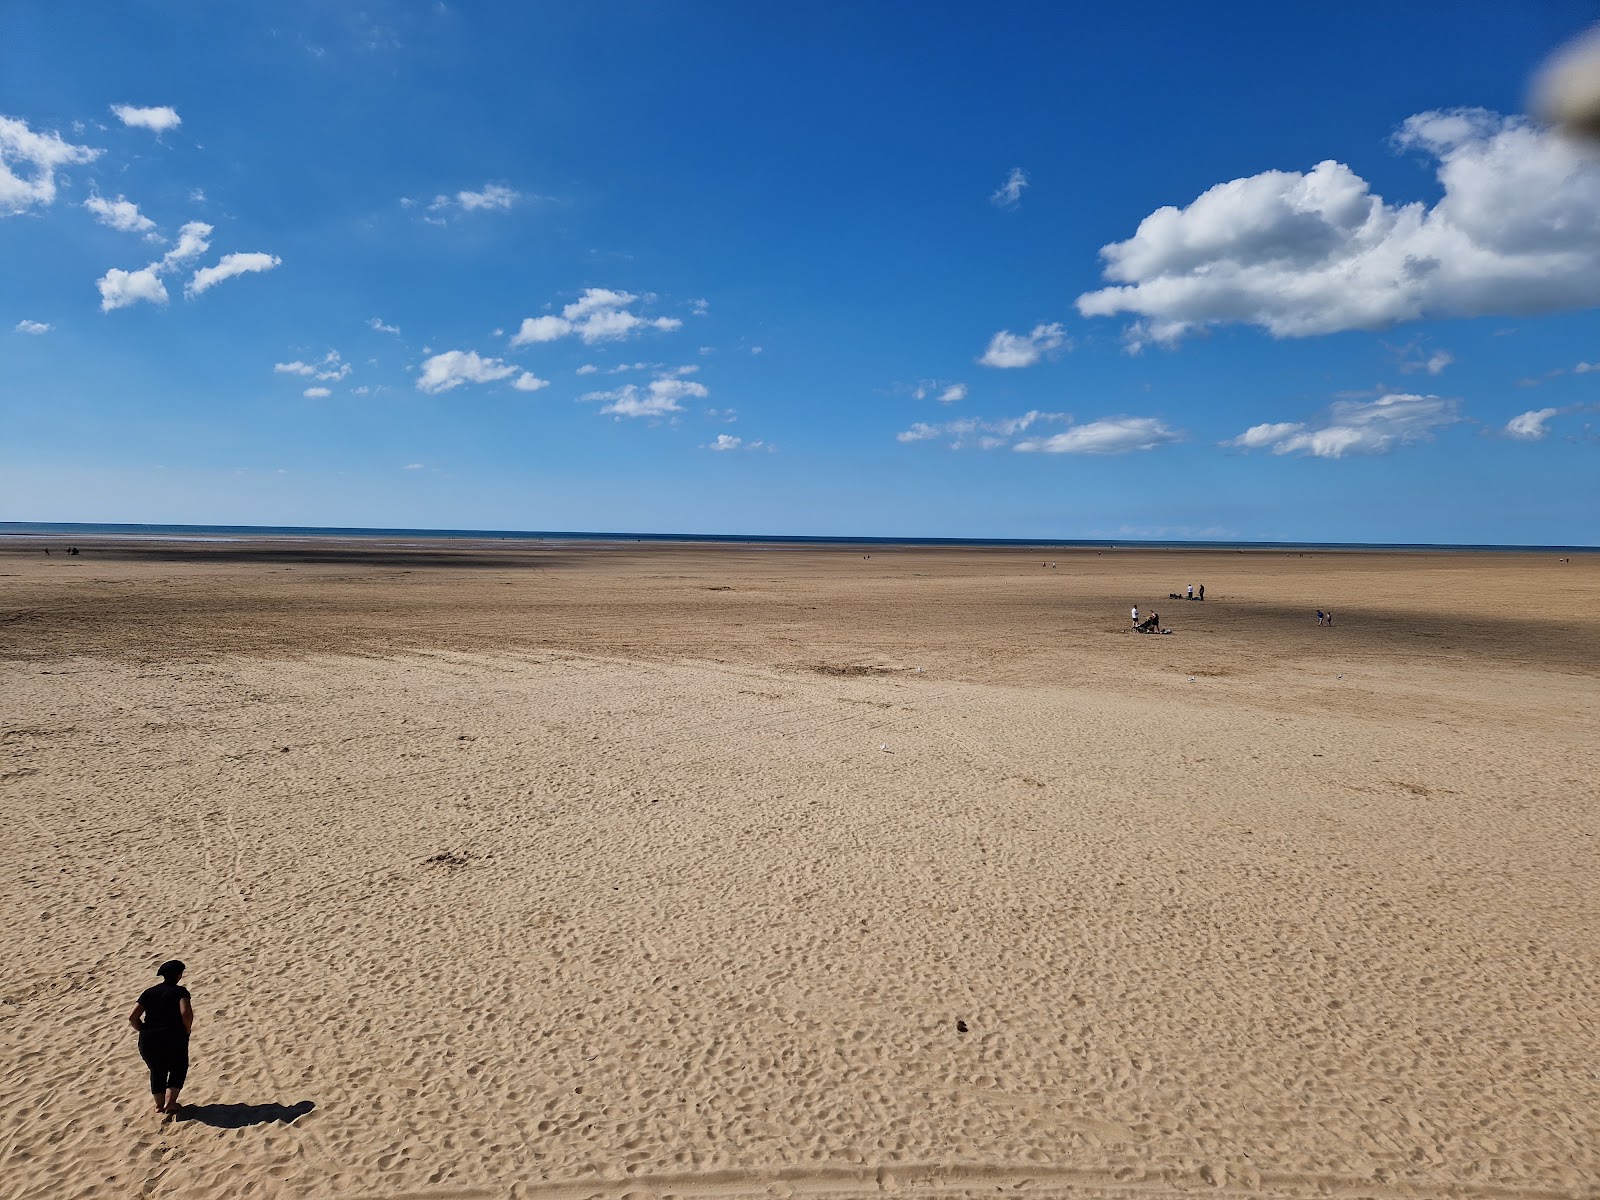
pixel 541 921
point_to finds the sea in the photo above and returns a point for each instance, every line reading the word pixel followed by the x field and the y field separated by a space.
pixel 252 533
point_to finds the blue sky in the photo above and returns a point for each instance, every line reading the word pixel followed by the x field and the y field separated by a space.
pixel 922 269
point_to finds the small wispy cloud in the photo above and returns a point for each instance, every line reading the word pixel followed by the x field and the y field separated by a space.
pixel 376 323
pixel 157 120
pixel 599 315
pixel 120 214
pixel 1355 427
pixel 661 397
pixel 725 442
pixel 228 266
pixel 1009 350
pixel 1108 435
pixel 1009 193
pixel 329 367
pixel 36 328
pixel 978 432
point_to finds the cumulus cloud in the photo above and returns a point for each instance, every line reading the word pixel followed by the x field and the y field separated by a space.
pixel 453 368
pixel 1517 231
pixel 39 156
pixel 528 382
pixel 123 289
pixel 660 397
pixel 120 214
pixel 587 369
pixel 377 324
pixel 599 315
pixel 1355 427
pixel 157 120
pixel 227 267
pixel 1007 349
pixel 1530 426
pixel 1009 194
pixel 34 327
pixel 316 393
pixel 977 432
pixel 1109 435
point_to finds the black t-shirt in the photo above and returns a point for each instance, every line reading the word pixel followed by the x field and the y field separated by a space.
pixel 161 1013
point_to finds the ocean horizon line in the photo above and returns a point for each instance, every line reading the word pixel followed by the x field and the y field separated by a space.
pixel 147 531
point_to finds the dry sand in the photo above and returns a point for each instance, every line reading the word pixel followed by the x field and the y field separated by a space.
pixel 570 871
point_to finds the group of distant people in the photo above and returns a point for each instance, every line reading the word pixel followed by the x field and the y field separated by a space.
pixel 1151 624
pixel 1192 593
pixel 70 550
pixel 1324 618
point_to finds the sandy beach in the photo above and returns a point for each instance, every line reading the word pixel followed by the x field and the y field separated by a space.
pixel 604 870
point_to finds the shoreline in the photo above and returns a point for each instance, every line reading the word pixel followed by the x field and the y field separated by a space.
pixel 113 532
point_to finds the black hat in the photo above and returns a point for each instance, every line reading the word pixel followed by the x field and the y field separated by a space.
pixel 170 969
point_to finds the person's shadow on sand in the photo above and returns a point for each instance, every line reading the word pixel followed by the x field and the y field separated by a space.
pixel 241 1116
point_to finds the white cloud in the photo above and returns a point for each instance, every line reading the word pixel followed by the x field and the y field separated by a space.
pixel 40 154
pixel 724 442
pixel 378 325
pixel 1007 349
pixel 587 369
pixel 329 367
pixel 1258 436
pixel 316 393
pixel 1109 435
pixel 413 466
pixel 944 393
pixel 599 315
pixel 1355 427
pixel 227 267
pixel 1530 426
pixel 1010 192
pixel 1584 368
pixel 1517 231
pixel 974 431
pixel 122 289
pixel 541 329
pixel 157 120
pixel 658 398
pixel 34 327
pixel 456 367
pixel 120 214
pixel 528 382
pixel 494 197
pixel 194 239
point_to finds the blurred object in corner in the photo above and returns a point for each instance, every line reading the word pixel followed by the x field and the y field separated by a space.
pixel 1566 89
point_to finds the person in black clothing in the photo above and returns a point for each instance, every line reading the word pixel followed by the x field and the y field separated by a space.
pixel 163 1016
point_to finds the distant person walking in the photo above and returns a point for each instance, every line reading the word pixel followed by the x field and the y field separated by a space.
pixel 1135 614
pixel 1322 617
pixel 1202 591
pixel 163 1016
